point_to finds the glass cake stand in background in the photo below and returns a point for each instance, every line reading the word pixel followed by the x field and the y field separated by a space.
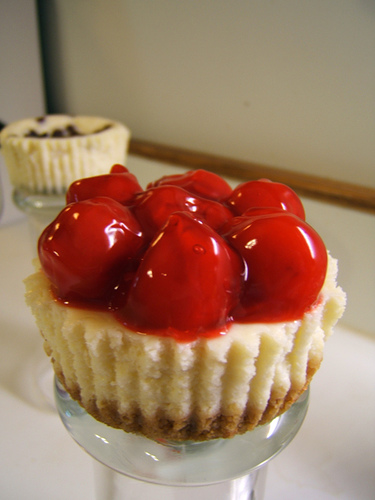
pixel 133 467
pixel 40 210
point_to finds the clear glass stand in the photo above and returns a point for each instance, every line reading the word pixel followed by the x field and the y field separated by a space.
pixel 40 209
pixel 223 468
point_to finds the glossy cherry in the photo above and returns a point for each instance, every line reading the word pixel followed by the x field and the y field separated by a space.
pixel 119 185
pixel 187 282
pixel 264 193
pixel 200 182
pixel 153 207
pixel 88 246
pixel 251 212
pixel 118 168
pixel 286 263
pixel 248 258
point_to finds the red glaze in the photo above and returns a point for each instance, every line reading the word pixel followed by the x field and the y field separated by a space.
pixel 153 207
pixel 88 247
pixel 207 265
pixel 251 212
pixel 199 182
pixel 120 185
pixel 286 264
pixel 188 281
pixel 264 193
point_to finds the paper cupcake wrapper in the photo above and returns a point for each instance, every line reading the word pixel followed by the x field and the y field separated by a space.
pixel 47 165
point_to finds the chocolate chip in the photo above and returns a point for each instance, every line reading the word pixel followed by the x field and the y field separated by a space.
pixel 68 131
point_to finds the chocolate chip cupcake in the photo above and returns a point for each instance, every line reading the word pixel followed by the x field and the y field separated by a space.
pixel 45 155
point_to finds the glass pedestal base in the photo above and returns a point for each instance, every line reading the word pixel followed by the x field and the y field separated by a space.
pixel 41 209
pixel 235 461
pixel 110 485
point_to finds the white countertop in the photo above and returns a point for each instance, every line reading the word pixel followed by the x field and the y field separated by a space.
pixel 332 456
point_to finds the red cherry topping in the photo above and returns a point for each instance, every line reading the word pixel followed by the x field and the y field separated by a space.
pixel 153 207
pixel 119 185
pixel 251 212
pixel 88 246
pixel 264 193
pixel 117 168
pixel 187 282
pixel 200 182
pixel 249 257
pixel 286 264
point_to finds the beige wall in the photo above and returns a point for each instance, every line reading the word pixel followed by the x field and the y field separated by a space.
pixel 289 83
pixel 21 83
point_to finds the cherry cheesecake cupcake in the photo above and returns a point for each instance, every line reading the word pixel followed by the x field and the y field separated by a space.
pixel 187 310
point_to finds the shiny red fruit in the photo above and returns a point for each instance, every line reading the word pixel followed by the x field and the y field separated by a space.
pixel 154 206
pixel 86 247
pixel 286 263
pixel 251 212
pixel 187 282
pixel 200 182
pixel 264 193
pixel 120 185
pixel 117 168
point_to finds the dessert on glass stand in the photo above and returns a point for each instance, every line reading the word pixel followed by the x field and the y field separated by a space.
pixel 44 155
pixel 187 318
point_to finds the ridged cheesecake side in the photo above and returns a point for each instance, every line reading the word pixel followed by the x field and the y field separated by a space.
pixel 161 388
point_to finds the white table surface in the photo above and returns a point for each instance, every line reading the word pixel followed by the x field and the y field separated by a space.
pixel 332 457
